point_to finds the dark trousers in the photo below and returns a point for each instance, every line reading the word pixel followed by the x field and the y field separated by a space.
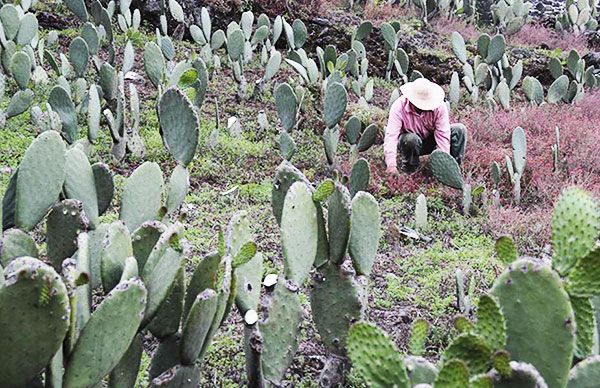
pixel 411 146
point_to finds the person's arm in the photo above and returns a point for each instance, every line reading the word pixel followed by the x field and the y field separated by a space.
pixel 392 132
pixel 442 129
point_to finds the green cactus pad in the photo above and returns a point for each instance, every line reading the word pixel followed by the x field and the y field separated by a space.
pixel 95 246
pixel 323 243
pixel 248 279
pixel 336 304
pixel 523 375
pixel 453 374
pixel 154 63
pixel 490 325
pixel 365 233
pixel 10 18
pixel 79 54
pixel 331 140
pixel 585 374
pixel 458 47
pixel 287 105
pixel 280 331
pixel 104 339
pixel 16 243
pixel 40 179
pixel 179 377
pixel 105 186
pixel 338 220
pixel 287 145
pixel 501 362
pixel 323 191
pixel 472 349
pixel 34 317
pixel 9 202
pixel 506 250
pixel 299 232
pixel 558 90
pixel 418 335
pixel 235 44
pixel 144 239
pixel 109 81
pixel 533 90
pixel 178 125
pixel 19 103
pixel 360 176
pixel 519 146
pixel 420 371
pixel 80 184
pixel 584 326
pixel 575 228
pixel 197 325
pixel 61 103
pixel 20 67
pixel 165 357
pixel 126 371
pixel 544 305
pixel 205 276
pixel 495 50
pixel 285 175
pixel 142 195
pixel 375 357
pixel 446 170
pixel 65 221
pixel 78 8
pixel 168 317
pixel 116 247
pixel 334 103
pixel 353 129
pixel 584 278
pixel 28 29
pixel 161 268
pixel 238 233
pixel 179 185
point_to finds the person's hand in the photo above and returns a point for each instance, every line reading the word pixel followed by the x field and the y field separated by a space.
pixel 393 177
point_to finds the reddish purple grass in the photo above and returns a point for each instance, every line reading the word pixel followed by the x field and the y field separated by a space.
pixel 535 35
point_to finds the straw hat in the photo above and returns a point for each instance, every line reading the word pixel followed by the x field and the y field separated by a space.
pixel 423 94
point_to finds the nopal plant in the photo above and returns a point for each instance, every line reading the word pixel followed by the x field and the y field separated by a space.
pixel 309 239
pixel 134 266
pixel 497 349
pixel 491 74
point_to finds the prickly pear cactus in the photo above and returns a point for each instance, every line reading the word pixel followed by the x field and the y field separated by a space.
pixel 446 170
pixel 104 339
pixel 336 304
pixel 531 295
pixel 374 356
pixel 365 232
pixel 34 319
pixel 585 374
pixel 142 195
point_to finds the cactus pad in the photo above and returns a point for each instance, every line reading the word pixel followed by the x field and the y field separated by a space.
pixel 168 317
pixel 418 335
pixel 65 221
pixel 20 68
pixel 16 243
pixel 490 326
pixel 336 304
pixel 506 250
pixel 523 375
pixel 178 125
pixel 375 357
pixel 584 278
pixel 360 176
pixel 116 247
pixel 280 332
pixel 34 317
pixel 142 195
pixel 575 228
pixel 585 326
pixel 248 278
pixel 446 170
pixel 420 371
pixel 453 374
pixel 544 305
pixel 79 55
pixel 40 179
pixel 585 374
pixel 298 232
pixel 178 377
pixel 197 325
pixel 80 184
pixel 285 175
pixel 287 105
pixel 105 186
pixel 104 339
pixel 61 103
pixel 365 233
pixel 126 371
pixel 154 63
pixel 334 104
pixel 179 185
pixel 338 220
pixel 19 103
pixel 472 349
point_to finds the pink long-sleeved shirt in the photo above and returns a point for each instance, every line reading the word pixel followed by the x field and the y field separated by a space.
pixel 404 119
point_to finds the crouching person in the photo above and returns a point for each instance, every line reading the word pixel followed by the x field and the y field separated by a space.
pixel 418 124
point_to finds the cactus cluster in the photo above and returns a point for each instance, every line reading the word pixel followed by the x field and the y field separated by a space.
pixel 499 349
pixel 491 75
pixel 510 15
pixel 579 16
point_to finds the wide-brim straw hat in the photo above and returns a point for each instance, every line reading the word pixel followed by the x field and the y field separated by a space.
pixel 423 94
